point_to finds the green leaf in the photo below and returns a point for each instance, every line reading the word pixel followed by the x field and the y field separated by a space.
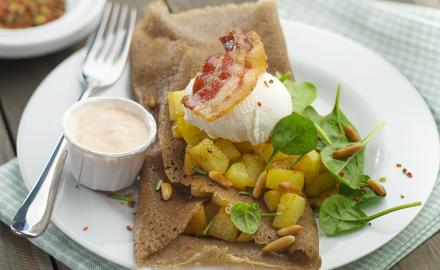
pixel 332 125
pixel 246 217
pixel 294 135
pixel 363 196
pixel 349 171
pixel 302 94
pixel 339 214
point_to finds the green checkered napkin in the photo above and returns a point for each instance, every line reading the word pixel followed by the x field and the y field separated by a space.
pixel 407 36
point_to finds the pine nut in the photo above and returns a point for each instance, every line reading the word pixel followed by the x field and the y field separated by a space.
pixel 291 230
pixel 351 134
pixel 220 179
pixel 279 244
pixel 377 188
pixel 167 191
pixel 261 181
pixel 347 151
pixel 288 187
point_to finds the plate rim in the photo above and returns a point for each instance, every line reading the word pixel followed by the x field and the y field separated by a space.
pixel 283 23
pixel 34 41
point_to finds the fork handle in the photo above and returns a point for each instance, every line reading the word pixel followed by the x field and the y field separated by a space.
pixel 33 216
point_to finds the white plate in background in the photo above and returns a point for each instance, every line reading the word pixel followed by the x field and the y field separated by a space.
pixel 372 91
pixel 80 18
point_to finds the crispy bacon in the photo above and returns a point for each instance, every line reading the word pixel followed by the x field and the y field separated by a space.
pixel 227 79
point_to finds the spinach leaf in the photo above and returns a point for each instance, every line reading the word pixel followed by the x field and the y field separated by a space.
pixel 331 126
pixel 339 214
pixel 363 196
pixel 301 93
pixel 246 217
pixel 349 170
pixel 293 135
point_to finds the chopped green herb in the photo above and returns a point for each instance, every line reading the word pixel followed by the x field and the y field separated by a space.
pixel 244 193
pixel 205 231
pixel 199 171
pixel 126 198
pixel 158 184
pixel 383 179
pixel 246 217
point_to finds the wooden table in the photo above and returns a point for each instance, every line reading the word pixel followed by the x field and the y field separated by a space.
pixel 18 80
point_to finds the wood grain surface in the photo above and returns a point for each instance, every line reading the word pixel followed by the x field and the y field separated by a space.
pixel 18 80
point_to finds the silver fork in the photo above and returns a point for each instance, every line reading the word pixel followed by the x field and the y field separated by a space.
pixel 104 62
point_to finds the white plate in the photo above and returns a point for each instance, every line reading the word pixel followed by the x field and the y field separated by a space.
pixel 79 20
pixel 372 90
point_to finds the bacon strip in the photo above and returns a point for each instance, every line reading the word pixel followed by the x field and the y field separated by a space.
pixel 229 78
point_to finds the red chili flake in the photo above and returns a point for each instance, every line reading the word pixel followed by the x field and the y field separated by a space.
pixel 401 196
pixel 85 228
pixel 409 174
pixel 341 174
pixel 398 165
pixel 259 104
pixel 129 228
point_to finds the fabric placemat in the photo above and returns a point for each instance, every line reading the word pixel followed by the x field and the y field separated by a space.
pixel 407 36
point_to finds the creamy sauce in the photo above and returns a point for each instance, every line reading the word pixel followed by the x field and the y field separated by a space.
pixel 107 128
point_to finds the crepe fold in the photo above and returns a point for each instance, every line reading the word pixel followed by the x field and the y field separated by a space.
pixel 167 51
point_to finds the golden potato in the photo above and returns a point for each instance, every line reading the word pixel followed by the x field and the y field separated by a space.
pixel 238 175
pixel 188 163
pixel 209 157
pixel 254 165
pixel 309 164
pixel 276 175
pixel 228 148
pixel 198 193
pixel 318 200
pixel 265 151
pixel 219 201
pixel 244 237
pixel 291 207
pixel 197 223
pixel 211 210
pixel 272 199
pixel 175 105
pixel 323 182
pixel 191 134
pixel 244 147
pixel 222 227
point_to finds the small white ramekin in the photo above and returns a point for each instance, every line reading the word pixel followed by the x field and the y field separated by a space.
pixel 102 171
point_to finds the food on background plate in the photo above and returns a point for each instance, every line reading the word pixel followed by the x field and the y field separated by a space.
pixel 28 13
pixel 244 189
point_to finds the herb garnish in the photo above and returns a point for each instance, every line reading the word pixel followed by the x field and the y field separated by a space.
pixel 339 214
pixel 247 217
pixel 302 93
pixel 199 171
pixel 293 135
pixel 158 184
pixel 352 165
pixel 126 198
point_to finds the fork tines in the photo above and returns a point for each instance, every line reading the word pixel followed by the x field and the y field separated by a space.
pixel 110 42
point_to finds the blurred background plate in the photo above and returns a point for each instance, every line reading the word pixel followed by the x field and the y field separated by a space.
pixel 79 20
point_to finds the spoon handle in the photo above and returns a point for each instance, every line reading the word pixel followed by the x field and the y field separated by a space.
pixel 33 216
